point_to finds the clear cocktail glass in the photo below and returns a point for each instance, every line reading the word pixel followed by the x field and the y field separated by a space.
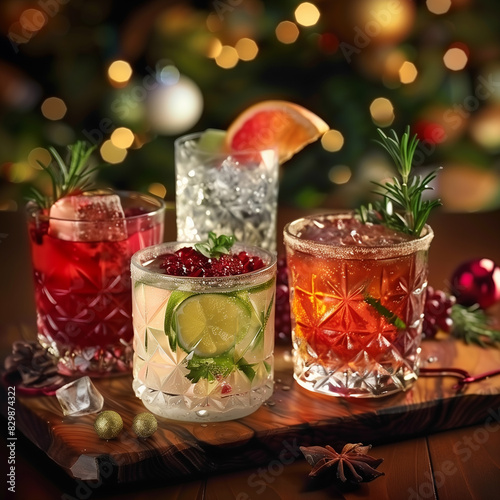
pixel 357 301
pixel 203 346
pixel 82 281
pixel 227 193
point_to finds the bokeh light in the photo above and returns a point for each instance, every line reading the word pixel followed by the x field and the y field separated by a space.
pixel 247 49
pixel 332 141
pixel 455 58
pixel 382 112
pixel 158 189
pixel 33 20
pixel 228 57
pixel 20 172
pixel 119 72
pixel 287 32
pixel 111 154
pixel 485 126
pixel 340 174
pixel 329 43
pixel 122 137
pixel 214 22
pixel 468 188
pixel 214 48
pixel 438 6
pixel 53 108
pixel 408 72
pixel 307 14
pixel 41 155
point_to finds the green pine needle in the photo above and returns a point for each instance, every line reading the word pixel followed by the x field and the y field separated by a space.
pixel 402 207
pixel 391 317
pixel 472 325
pixel 66 178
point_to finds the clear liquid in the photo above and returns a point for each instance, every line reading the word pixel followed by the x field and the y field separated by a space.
pixel 228 195
pixel 203 347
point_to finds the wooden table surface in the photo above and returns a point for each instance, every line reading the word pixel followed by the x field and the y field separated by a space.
pixel 457 464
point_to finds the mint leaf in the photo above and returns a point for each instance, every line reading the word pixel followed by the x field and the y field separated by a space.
pixel 209 368
pixel 215 246
pixel 246 368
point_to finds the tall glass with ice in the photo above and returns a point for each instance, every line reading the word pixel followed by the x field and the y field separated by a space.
pixel 203 343
pixel 357 300
pixel 225 192
pixel 81 253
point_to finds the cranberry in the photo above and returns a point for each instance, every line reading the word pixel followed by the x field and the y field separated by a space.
pixel 188 262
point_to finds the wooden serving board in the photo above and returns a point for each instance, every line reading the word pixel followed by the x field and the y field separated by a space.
pixel 293 417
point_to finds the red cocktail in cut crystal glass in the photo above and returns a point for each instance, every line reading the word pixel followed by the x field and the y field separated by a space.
pixel 82 278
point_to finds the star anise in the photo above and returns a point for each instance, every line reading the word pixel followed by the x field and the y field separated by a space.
pixel 352 464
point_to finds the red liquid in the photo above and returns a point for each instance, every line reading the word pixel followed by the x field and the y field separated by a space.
pixel 83 296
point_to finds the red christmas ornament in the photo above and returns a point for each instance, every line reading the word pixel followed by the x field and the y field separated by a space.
pixel 476 282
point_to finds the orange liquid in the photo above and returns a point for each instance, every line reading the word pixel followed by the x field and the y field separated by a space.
pixel 331 312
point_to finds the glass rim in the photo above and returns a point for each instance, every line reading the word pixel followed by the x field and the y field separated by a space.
pixel 202 281
pixel 377 252
pixel 34 210
pixel 179 142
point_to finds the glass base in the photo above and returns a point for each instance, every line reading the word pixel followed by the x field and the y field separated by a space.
pixel 106 361
pixel 367 381
pixel 206 409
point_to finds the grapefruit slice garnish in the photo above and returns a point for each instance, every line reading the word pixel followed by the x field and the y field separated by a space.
pixel 283 125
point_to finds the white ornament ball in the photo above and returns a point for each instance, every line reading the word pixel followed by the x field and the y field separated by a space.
pixel 175 108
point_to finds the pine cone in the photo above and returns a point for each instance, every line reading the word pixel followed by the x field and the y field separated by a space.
pixel 33 368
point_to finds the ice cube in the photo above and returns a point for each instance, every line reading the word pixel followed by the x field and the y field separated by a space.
pixel 79 397
pixel 96 217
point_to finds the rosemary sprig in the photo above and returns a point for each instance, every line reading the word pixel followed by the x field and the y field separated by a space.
pixel 215 246
pixel 472 325
pixel 391 317
pixel 67 178
pixel 402 207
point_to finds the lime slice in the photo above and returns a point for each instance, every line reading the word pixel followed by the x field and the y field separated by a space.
pixel 262 286
pixel 209 324
pixel 175 299
pixel 212 141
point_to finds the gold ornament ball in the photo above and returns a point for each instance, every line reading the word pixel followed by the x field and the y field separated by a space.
pixel 144 425
pixel 108 424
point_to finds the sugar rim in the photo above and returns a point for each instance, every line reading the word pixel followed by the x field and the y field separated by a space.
pixel 378 252
pixel 158 206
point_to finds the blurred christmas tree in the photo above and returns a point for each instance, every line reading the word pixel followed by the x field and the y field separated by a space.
pixel 132 80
